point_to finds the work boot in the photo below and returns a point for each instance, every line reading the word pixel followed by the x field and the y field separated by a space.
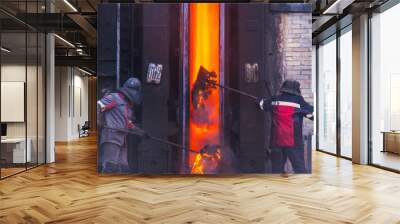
pixel 111 167
pixel 285 174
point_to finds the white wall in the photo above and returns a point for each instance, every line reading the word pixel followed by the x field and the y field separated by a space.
pixel 9 73
pixel 16 73
pixel 80 110
pixel 71 102
pixel 33 127
pixel 62 82
pixel 12 73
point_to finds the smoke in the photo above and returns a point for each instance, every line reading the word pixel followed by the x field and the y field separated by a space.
pixel 203 89
pixel 228 163
pixel 202 115
pixel 216 159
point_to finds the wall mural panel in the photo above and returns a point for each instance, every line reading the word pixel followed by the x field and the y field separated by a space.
pixel 204 88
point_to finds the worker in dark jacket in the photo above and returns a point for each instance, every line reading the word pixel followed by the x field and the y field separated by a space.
pixel 116 112
pixel 287 111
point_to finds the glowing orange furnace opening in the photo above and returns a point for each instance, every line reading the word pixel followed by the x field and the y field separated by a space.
pixel 204 51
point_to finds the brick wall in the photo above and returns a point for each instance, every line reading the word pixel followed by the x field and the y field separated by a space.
pixel 296 50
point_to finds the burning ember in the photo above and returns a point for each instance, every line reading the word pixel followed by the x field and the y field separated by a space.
pixel 202 88
pixel 204 124
pixel 207 161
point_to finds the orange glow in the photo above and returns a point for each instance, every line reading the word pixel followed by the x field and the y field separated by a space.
pixel 205 162
pixel 204 51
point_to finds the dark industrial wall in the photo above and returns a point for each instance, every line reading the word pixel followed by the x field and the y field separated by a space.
pixel 252 65
pixel 159 115
pixel 107 48
pixel 148 34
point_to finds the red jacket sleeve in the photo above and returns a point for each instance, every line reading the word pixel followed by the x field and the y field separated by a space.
pixel 106 103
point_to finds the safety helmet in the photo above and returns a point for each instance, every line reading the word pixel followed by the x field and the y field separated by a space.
pixel 291 86
pixel 132 89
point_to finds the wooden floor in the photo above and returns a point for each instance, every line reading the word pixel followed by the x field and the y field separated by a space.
pixel 70 191
pixel 5 172
pixel 386 159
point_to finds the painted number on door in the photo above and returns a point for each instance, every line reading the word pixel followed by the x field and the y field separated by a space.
pixel 154 73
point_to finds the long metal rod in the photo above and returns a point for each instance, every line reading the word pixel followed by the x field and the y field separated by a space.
pixel 236 91
pixel 154 138
pixel 185 84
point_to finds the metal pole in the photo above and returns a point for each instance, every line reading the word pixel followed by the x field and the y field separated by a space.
pixel 118 44
pixel 185 83
pixel 222 68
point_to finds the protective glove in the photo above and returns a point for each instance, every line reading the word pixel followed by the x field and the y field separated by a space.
pixel 261 103
pixel 310 116
pixel 131 125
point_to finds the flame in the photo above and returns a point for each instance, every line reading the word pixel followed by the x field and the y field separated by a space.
pixel 204 51
pixel 206 163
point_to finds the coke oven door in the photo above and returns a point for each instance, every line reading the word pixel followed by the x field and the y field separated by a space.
pixel 251 61
pixel 159 35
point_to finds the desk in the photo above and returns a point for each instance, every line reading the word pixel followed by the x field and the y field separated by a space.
pixel 13 150
pixel 391 141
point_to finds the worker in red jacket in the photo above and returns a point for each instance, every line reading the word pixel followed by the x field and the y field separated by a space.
pixel 287 111
pixel 115 114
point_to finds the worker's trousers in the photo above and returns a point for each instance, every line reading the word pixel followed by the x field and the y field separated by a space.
pixel 279 157
pixel 114 158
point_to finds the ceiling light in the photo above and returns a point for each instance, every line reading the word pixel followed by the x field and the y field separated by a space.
pixel 65 41
pixel 331 7
pixel 70 5
pixel 337 7
pixel 5 50
pixel 84 71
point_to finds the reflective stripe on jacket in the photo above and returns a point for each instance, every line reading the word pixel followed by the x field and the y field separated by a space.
pixel 116 112
pixel 287 112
